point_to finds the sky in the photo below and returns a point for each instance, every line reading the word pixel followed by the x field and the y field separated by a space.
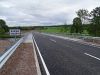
pixel 43 12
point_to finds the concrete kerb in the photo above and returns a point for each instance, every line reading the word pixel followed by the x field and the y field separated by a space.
pixel 36 59
pixel 30 40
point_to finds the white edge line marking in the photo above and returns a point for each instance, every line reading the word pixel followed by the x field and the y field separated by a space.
pixel 92 56
pixel 45 67
pixel 36 59
pixel 52 40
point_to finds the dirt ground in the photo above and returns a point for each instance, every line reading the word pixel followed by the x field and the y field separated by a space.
pixel 94 41
pixel 22 62
pixel 4 43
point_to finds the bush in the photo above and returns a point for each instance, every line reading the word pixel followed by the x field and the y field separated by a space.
pixel 2 31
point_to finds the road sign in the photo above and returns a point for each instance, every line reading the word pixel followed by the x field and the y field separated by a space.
pixel 15 32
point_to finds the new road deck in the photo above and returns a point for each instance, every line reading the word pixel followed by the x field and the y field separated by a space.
pixel 68 57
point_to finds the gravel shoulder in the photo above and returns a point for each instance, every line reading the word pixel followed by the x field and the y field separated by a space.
pixel 22 62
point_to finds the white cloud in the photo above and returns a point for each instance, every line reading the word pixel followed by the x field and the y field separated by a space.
pixel 3 17
pixel 32 12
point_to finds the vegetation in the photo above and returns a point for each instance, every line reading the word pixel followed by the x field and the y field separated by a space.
pixel 83 14
pixel 2 31
pixel 77 26
pixel 94 28
pixel 79 21
pixel 3 27
pixel 64 28
pixel 8 36
pixel 56 29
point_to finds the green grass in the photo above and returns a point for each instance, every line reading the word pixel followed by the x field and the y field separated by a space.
pixel 54 30
pixel 51 30
pixel 59 30
pixel 8 36
pixel 64 32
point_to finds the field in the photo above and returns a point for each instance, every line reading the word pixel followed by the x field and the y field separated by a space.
pixel 60 30
pixel 55 30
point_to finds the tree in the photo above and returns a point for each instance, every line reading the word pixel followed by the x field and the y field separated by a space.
pixel 94 28
pixel 2 31
pixel 83 14
pixel 77 26
pixel 3 25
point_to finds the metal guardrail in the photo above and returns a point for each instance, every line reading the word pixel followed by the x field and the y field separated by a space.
pixel 9 52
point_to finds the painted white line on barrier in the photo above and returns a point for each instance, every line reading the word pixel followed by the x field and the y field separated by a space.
pixel 45 67
pixel 92 56
pixel 52 40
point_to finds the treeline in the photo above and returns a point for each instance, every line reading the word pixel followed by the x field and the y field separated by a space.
pixel 28 27
pixel 91 20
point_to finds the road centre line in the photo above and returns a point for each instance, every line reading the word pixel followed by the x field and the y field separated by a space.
pixel 92 56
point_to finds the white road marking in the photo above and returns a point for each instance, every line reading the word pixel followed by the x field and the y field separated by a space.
pixel 92 56
pixel 45 67
pixel 36 59
pixel 52 40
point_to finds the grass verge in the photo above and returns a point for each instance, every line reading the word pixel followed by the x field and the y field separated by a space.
pixel 8 36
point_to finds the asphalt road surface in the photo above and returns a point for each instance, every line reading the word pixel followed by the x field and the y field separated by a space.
pixel 65 57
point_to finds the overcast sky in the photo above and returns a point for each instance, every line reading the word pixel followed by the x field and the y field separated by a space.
pixel 42 12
